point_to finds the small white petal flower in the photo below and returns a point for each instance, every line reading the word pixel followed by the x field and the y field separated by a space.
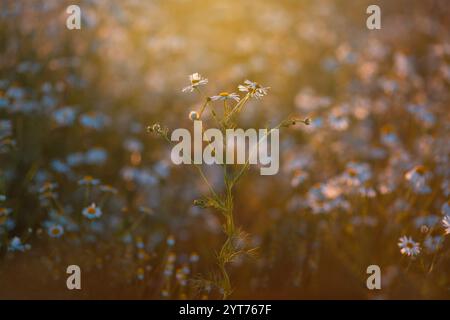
pixel 92 212
pixel 408 246
pixel 226 96
pixel 196 80
pixel 254 88
pixel 55 231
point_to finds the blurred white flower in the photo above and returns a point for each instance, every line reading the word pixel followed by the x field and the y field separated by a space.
pixel 92 211
pixel 55 231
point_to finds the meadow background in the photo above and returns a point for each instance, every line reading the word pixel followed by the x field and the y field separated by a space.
pixel 372 167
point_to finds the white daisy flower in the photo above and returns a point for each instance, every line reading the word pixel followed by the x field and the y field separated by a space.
pixel 196 81
pixel 226 96
pixel 254 88
pixel 92 212
pixel 446 224
pixel 55 231
pixel 408 246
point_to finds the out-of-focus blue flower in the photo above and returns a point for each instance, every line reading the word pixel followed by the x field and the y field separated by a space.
pixel 60 166
pixel 75 159
pixel 5 128
pixel 140 176
pixel 133 145
pixel 95 156
pixel 65 116
pixel 433 243
pixel 3 103
pixel 94 120
pixel 17 245
pixel 422 114
pixel 88 181
pixel 162 168
pixel 16 93
pixel 429 221
pixel 329 64
pixel 446 208
pixel 127 238
pixel 97 226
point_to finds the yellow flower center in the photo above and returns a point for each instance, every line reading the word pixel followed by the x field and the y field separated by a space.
pixel 91 210
pixel 224 94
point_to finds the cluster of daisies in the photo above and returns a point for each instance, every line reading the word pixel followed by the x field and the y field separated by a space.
pixel 252 90
pixel 418 178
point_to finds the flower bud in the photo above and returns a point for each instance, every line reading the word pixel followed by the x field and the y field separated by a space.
pixel 193 115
